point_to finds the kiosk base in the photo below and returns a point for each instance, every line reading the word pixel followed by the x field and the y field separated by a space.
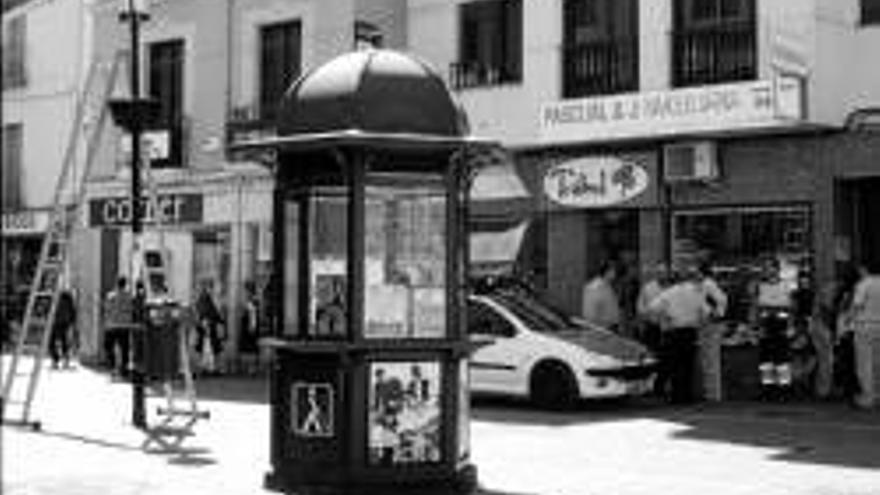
pixel 463 482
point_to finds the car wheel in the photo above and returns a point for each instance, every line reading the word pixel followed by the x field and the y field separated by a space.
pixel 552 386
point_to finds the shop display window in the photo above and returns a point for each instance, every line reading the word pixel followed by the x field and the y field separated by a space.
pixel 404 412
pixel 405 257
pixel 739 241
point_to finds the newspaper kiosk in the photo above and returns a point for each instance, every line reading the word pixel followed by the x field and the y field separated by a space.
pixel 369 388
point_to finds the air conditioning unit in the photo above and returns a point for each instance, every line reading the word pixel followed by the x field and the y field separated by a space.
pixel 691 161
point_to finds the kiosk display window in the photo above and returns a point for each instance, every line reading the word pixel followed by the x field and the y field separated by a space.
pixel 291 267
pixel 404 412
pixel 405 262
pixel 464 411
pixel 328 240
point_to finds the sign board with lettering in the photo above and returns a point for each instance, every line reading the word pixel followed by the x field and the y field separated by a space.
pixel 25 222
pixel 164 209
pixel 595 181
pixel 715 108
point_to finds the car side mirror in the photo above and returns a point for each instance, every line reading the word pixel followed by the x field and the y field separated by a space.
pixel 481 339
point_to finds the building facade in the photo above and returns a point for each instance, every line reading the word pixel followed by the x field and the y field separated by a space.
pixel 218 70
pixel 733 131
pixel 46 56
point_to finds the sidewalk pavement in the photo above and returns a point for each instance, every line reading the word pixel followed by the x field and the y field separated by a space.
pixel 87 446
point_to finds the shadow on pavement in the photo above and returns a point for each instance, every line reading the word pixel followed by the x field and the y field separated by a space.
pixel 833 436
pixel 185 456
pixel 804 432
pixel 99 442
pixel 484 491
pixel 520 411
pixel 248 389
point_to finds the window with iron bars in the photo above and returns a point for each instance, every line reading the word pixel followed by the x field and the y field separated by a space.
pixel 490 44
pixel 600 53
pixel 714 41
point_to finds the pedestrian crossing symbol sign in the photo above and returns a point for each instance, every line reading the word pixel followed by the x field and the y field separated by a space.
pixel 312 409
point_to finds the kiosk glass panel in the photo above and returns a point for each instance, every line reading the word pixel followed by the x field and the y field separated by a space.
pixel 405 256
pixel 404 412
pixel 290 307
pixel 328 263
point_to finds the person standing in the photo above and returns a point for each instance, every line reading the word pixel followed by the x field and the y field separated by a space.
pixel 715 296
pixel 118 319
pixel 209 342
pixel 249 327
pixel 682 311
pixel 649 331
pixel 599 301
pixel 866 329
pixel 59 340
pixel 774 308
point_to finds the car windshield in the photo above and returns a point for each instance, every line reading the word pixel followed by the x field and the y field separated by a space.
pixel 534 313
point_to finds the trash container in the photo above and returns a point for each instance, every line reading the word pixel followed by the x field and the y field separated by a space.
pixel 162 341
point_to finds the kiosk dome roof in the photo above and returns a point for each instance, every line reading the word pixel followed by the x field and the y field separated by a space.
pixel 371 91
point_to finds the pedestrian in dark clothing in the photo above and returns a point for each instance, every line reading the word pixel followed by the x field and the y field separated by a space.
pixel 845 379
pixel 209 343
pixel 118 319
pixel 59 340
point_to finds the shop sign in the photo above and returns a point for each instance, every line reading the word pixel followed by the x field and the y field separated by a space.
pixel 166 209
pixel 714 108
pixel 595 181
pixel 25 222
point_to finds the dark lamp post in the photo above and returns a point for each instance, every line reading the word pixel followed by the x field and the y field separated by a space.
pixel 133 115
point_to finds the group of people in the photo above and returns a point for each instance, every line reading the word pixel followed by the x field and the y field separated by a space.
pixel 202 322
pixel 671 311
pixel 849 312
pixel 825 343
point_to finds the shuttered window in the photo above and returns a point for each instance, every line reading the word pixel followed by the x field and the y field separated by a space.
pixel 166 84
pixel 12 156
pixel 14 44
pixel 870 12
pixel 280 63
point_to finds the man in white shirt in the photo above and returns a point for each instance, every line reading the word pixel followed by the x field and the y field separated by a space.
pixel 682 310
pixel 599 301
pixel 866 319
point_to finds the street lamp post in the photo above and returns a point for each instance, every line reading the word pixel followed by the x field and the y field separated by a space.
pixel 133 114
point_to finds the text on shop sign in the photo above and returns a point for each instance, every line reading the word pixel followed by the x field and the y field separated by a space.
pixel 25 222
pixel 649 113
pixel 167 209
pixel 595 181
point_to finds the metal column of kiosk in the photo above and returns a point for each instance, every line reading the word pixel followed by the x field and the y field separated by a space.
pixel 369 383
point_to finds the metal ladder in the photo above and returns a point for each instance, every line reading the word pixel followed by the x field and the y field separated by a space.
pixel 33 338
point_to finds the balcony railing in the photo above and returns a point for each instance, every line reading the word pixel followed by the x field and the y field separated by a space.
pixel 247 123
pixel 716 54
pixel 600 67
pixel 475 74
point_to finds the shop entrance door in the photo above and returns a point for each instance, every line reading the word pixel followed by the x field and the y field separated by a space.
pixel 860 211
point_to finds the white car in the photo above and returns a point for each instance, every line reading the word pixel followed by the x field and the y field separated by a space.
pixel 527 349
